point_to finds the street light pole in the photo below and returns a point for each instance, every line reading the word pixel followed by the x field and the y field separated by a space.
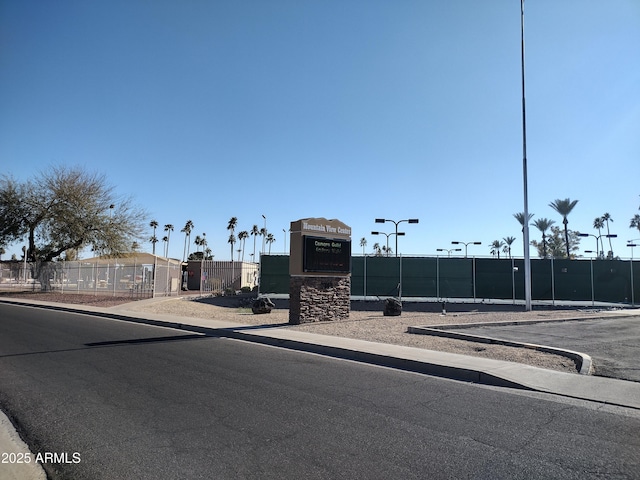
pixel 465 245
pixel 388 235
pixel 265 235
pixel 285 241
pixel 525 229
pixel 410 220
pixel 598 237
pixel 448 250
pixel 631 245
pixel 633 299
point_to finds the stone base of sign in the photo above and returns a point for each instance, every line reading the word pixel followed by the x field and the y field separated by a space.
pixel 319 299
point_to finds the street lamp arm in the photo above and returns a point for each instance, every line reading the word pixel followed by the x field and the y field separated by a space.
pixel 396 223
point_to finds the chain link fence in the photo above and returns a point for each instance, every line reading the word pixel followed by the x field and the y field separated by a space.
pixel 114 277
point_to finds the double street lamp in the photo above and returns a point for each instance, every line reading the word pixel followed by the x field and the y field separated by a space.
pixel 448 250
pixel 466 244
pixel 597 237
pixel 388 235
pixel 396 222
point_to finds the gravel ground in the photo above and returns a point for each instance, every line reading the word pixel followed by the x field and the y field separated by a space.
pixel 369 325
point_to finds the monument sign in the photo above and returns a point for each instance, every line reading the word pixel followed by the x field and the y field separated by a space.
pixel 320 270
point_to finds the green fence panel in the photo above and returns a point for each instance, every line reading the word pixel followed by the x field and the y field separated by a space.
pixel 358 266
pixel 418 277
pixel 383 276
pixel 494 278
pixel 455 277
pixel 572 279
pixel 541 279
pixel 433 277
pixel 274 274
pixel 611 281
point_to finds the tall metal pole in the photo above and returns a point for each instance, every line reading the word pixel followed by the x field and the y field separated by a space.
pixel 525 230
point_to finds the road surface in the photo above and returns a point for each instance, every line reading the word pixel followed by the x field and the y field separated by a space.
pixel 134 401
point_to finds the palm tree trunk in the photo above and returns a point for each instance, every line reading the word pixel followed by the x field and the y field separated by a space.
pixel 566 236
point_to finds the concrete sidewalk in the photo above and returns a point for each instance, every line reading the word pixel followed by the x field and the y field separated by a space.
pixel 459 367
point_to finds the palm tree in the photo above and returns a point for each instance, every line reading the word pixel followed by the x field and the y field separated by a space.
pixel 231 226
pixel 635 222
pixel 198 242
pixel 242 236
pixel 564 207
pixel 598 224
pixel 153 241
pixel 154 224
pixel 263 233
pixel 495 247
pixel 270 239
pixel 167 228
pixel 520 217
pixel 231 241
pixel 606 218
pixel 187 238
pixel 507 247
pixel 543 224
pixel 363 243
pixel 165 240
pixel 254 232
pixel 377 250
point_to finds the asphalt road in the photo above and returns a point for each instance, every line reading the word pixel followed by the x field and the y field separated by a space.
pixel 612 343
pixel 134 401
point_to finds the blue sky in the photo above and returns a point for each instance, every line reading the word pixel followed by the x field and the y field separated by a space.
pixel 353 110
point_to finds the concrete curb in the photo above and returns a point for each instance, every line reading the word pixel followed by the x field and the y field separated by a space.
pixel 12 444
pixel 584 362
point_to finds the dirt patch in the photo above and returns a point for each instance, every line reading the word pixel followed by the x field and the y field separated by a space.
pixel 72 298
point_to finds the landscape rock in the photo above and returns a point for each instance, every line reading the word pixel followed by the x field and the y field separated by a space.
pixel 392 307
pixel 262 305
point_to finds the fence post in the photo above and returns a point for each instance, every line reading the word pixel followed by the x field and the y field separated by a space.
pixel 593 302
pixel 513 280
pixel 400 284
pixel 553 284
pixel 473 266
pixel 153 277
pixel 633 301
pixel 438 277
pixel 365 278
